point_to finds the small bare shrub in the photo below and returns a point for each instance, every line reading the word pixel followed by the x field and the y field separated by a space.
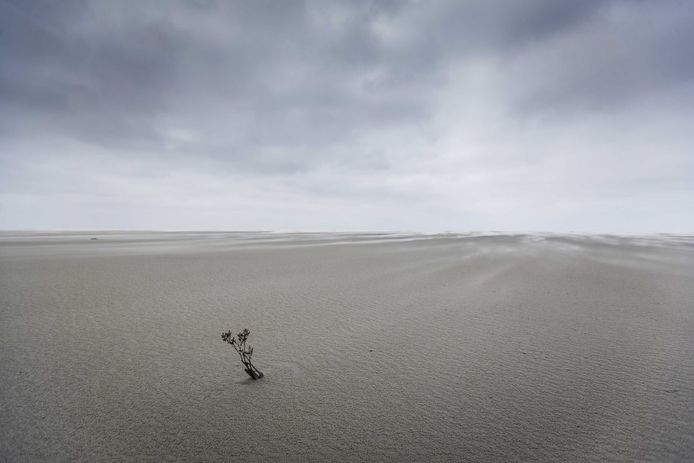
pixel 238 342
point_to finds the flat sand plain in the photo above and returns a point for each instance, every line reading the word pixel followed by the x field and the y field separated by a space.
pixel 375 347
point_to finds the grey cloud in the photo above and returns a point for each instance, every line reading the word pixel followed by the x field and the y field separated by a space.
pixel 364 98
pixel 631 52
pixel 306 73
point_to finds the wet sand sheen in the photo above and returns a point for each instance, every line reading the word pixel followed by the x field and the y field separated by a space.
pixel 376 347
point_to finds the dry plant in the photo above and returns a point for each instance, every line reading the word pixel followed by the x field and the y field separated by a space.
pixel 238 342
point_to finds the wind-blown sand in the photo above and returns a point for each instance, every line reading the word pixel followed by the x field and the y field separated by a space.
pixel 374 347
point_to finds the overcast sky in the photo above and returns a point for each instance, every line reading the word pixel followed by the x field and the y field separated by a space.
pixel 355 115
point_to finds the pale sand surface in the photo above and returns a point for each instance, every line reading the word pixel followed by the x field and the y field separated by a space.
pixel 375 347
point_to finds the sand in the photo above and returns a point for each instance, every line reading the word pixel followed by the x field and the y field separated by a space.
pixel 375 347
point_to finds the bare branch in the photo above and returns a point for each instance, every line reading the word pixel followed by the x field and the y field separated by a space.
pixel 238 342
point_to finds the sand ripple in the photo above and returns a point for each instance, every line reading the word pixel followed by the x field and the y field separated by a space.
pixel 376 347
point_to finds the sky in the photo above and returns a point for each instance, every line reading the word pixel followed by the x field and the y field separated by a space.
pixel 534 115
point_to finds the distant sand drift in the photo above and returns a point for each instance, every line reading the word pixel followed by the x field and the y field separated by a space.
pixel 375 347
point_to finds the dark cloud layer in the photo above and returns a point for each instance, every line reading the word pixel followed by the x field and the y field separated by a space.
pixel 296 72
pixel 299 87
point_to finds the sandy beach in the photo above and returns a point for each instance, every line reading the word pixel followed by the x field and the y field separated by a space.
pixel 375 347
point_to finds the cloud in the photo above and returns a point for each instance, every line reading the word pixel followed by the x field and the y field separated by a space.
pixel 631 52
pixel 427 114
